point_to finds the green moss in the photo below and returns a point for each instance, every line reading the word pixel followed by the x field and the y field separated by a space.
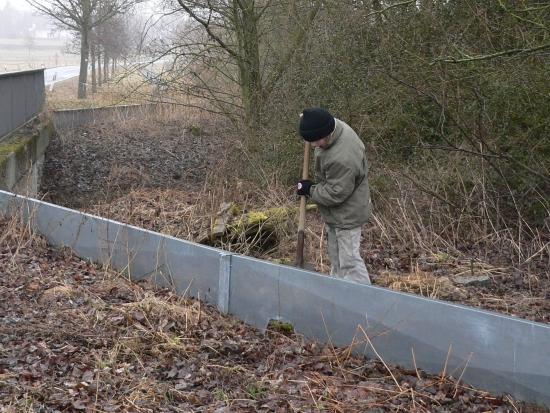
pixel 16 145
pixel 442 257
pixel 256 391
pixel 11 147
pixel 21 145
pixel 195 130
pixel 281 327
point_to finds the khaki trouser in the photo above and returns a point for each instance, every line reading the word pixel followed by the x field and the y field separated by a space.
pixel 343 252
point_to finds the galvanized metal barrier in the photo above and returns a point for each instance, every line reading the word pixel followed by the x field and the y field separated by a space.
pixel 74 118
pixel 494 352
pixel 21 98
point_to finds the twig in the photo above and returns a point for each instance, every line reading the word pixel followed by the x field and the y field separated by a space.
pixel 404 3
pixel 380 358
pixel 414 362
pixel 461 374
pixel 312 397
pixel 444 372
pixel 511 52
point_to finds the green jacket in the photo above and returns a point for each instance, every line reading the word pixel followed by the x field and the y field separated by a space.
pixel 342 190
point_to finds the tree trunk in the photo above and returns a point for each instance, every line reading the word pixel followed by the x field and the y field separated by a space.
pixel 93 57
pixel 113 66
pixel 84 52
pixel 99 75
pixel 246 27
pixel 105 67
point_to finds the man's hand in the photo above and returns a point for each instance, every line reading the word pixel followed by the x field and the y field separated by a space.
pixel 304 187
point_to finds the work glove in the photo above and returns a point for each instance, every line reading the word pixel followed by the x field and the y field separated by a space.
pixel 304 186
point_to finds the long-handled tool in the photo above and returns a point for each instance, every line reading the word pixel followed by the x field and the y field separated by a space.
pixel 302 216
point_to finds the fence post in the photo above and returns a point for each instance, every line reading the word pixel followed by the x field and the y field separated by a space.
pixel 225 280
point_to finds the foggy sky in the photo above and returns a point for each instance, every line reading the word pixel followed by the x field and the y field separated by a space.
pixel 18 4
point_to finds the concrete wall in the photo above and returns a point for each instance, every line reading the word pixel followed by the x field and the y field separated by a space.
pixel 22 151
pixel 21 98
pixel 73 118
pixel 22 157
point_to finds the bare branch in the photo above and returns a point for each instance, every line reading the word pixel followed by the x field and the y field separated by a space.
pixel 403 3
pixel 206 26
pixel 511 52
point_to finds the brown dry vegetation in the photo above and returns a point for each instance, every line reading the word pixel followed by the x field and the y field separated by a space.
pixel 77 337
pixel 429 272
pixel 124 88
pixel 170 173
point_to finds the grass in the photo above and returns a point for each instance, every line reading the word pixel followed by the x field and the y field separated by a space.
pixel 64 95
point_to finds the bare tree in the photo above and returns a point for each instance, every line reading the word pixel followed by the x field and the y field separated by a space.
pixel 82 16
pixel 236 29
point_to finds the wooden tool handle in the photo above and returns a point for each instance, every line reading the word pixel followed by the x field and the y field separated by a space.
pixel 302 215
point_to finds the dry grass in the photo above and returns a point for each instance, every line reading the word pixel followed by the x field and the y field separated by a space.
pixel 416 241
pixel 407 213
pixel 64 95
pixel 428 267
pixel 128 86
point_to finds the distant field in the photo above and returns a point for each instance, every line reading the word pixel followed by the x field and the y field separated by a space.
pixel 23 54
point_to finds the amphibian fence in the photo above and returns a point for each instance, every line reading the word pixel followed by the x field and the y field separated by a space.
pixel 494 352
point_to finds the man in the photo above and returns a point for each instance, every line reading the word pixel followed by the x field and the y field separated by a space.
pixel 341 192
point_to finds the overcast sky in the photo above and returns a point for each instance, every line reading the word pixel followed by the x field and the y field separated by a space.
pixel 23 5
pixel 18 4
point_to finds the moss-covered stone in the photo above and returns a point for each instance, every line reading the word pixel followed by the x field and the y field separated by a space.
pixel 281 327
pixel 259 229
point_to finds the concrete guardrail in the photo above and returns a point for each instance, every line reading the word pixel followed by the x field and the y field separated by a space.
pixel 22 156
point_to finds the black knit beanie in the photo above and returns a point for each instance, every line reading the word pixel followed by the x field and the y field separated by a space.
pixel 315 124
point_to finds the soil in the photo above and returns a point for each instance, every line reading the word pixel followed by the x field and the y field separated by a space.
pixel 76 337
pixel 98 163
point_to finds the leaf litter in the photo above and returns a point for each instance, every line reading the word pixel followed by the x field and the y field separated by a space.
pixel 76 337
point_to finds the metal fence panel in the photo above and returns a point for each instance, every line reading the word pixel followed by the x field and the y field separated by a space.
pixel 254 291
pixel 497 353
pixel 6 107
pixel 74 118
pixel 194 269
pixel 187 267
pixel 21 98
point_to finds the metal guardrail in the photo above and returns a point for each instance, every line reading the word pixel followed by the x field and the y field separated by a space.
pixel 74 118
pixel 21 98
pixel 494 352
